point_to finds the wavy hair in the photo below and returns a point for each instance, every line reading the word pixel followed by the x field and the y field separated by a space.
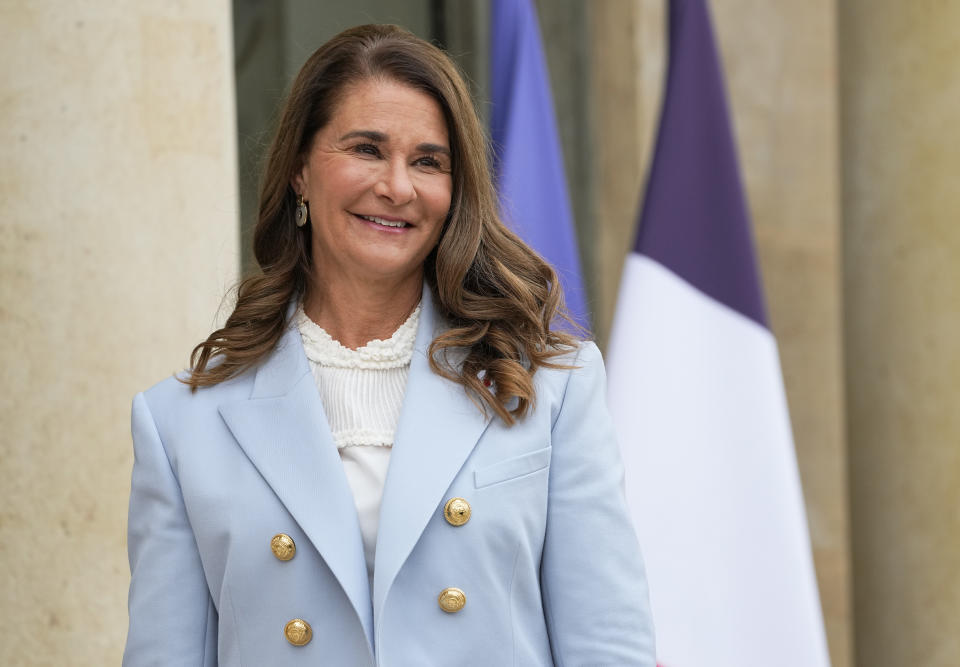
pixel 498 296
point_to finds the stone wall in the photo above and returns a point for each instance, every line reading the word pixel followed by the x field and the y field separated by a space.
pixel 900 94
pixel 118 238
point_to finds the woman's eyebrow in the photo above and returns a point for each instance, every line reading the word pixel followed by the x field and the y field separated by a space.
pixel 433 148
pixel 372 135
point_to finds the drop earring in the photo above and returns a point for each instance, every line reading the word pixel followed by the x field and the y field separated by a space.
pixel 301 211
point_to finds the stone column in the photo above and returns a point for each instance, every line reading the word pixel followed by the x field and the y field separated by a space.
pixel 118 237
pixel 625 76
pixel 900 100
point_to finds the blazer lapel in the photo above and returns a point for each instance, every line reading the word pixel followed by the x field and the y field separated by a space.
pixel 438 428
pixel 283 430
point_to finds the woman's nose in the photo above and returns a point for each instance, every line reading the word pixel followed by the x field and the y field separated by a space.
pixel 395 184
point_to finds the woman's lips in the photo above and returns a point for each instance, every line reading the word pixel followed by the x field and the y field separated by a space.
pixel 384 221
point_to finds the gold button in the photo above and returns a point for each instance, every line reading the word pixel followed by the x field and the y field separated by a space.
pixel 456 511
pixel 452 600
pixel 283 547
pixel 298 632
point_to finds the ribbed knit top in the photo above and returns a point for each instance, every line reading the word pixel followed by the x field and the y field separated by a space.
pixel 361 389
pixel 362 392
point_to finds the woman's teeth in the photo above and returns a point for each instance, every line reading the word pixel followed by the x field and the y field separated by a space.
pixel 381 221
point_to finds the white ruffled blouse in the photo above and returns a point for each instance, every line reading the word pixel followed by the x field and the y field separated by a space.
pixel 362 391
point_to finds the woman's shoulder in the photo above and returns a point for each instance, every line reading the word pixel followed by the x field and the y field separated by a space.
pixel 580 360
pixel 586 364
pixel 581 353
pixel 585 351
pixel 173 399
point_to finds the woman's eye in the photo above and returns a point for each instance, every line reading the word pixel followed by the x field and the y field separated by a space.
pixel 367 149
pixel 429 162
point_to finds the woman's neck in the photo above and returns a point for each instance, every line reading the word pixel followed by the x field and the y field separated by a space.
pixel 355 314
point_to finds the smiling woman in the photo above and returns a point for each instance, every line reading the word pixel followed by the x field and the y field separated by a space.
pixel 377 184
pixel 387 455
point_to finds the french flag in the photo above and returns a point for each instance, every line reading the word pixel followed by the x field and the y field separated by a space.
pixel 697 396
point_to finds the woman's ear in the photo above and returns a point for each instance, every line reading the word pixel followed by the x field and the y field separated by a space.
pixel 300 180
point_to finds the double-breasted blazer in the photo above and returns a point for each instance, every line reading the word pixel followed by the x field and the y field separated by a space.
pixel 548 561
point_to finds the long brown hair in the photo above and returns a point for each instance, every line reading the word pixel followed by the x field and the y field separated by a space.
pixel 498 296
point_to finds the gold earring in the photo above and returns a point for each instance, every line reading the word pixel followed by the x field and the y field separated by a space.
pixel 301 211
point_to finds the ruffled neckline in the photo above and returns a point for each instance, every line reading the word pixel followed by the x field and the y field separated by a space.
pixel 321 348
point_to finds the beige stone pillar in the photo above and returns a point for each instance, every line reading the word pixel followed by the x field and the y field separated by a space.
pixel 118 219
pixel 624 77
pixel 900 100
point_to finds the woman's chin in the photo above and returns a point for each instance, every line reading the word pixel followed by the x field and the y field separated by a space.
pixel 387 269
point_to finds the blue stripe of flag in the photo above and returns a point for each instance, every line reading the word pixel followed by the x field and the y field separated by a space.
pixel 529 162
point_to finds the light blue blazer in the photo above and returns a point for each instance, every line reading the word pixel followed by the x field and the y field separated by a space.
pixel 548 561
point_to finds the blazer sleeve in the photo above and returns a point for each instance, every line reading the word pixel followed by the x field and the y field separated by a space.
pixel 172 617
pixel 592 576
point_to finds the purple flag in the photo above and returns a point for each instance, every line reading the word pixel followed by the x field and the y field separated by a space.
pixel 530 176
pixel 695 219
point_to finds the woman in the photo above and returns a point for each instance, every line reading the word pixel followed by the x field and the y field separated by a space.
pixel 264 526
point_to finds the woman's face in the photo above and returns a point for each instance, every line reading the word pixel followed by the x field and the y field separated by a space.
pixel 378 183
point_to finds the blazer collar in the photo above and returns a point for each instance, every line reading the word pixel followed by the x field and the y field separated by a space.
pixel 285 366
